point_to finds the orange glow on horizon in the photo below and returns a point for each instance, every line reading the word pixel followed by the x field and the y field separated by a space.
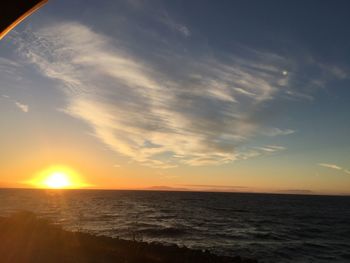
pixel 58 177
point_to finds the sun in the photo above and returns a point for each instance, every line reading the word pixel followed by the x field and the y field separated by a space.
pixel 58 180
pixel 58 177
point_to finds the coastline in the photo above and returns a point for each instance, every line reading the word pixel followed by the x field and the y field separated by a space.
pixel 27 238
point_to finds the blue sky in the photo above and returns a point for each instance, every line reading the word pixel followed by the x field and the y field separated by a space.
pixel 233 87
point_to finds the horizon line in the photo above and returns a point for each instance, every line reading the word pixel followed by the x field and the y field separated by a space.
pixel 177 190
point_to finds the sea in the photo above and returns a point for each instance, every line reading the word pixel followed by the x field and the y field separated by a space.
pixel 268 227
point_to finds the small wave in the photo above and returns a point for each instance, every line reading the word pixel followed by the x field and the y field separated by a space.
pixel 228 209
pixel 315 245
pixel 346 256
pixel 267 236
pixel 163 232
pixel 162 217
pixel 231 236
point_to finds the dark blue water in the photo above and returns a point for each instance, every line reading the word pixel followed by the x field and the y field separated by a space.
pixel 271 228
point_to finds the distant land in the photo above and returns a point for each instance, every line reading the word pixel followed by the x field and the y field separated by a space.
pixel 166 188
pixel 221 188
pixel 195 188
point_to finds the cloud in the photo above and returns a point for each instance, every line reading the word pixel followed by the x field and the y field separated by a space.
pixel 184 30
pixel 277 132
pixel 5 64
pixel 22 107
pixel 9 71
pixel 159 14
pixel 181 110
pixel 335 167
pixel 165 18
pixel 329 165
pixel 271 148
pixel 128 103
pixel 334 70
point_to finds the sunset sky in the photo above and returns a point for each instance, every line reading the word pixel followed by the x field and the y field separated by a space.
pixel 204 95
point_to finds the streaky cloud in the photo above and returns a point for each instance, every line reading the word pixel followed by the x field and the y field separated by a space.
pixel 334 167
pixel 202 113
pixel 22 107
pixel 330 165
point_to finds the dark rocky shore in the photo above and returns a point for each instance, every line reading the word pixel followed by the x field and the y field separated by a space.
pixel 25 238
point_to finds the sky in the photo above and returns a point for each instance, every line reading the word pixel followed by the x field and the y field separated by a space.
pixel 248 96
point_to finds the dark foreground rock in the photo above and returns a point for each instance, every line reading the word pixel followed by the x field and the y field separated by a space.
pixel 24 238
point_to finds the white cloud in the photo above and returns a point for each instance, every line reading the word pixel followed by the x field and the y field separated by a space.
pixel 329 165
pixel 334 70
pixel 184 30
pixel 271 148
pixel 335 167
pixel 22 107
pixel 245 92
pixel 276 132
pixel 6 63
pixel 173 25
pixel 202 113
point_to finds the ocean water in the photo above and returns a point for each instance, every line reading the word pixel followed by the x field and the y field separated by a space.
pixel 271 228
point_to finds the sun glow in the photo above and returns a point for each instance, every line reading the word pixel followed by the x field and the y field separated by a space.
pixel 58 177
pixel 58 180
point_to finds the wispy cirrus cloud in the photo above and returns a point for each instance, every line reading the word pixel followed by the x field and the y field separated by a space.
pixel 277 132
pixel 271 148
pixel 5 64
pixel 161 15
pixel 202 112
pixel 334 167
pixel 22 107
pixel 331 166
pixel 173 25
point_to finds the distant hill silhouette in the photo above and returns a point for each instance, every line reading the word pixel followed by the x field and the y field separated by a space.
pixel 166 188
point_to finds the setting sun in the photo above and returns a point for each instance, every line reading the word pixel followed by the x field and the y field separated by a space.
pixel 58 177
pixel 58 180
